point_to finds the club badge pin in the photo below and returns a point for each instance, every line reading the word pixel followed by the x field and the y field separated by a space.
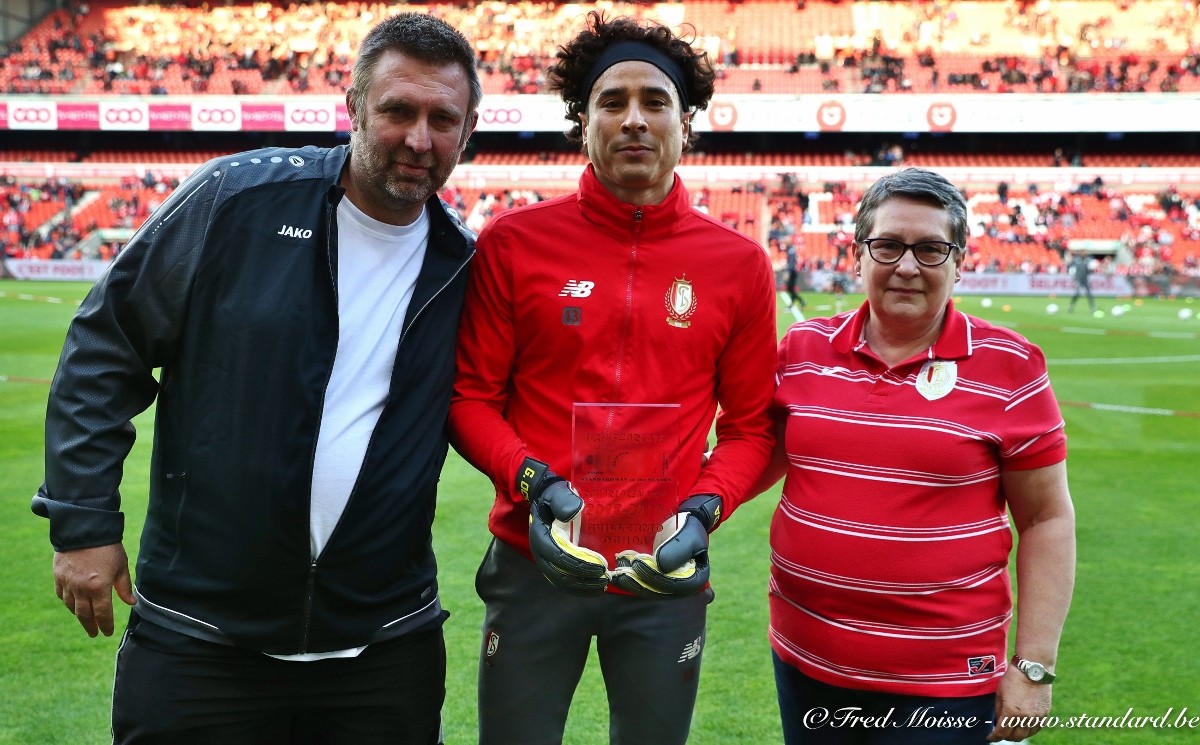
pixel 681 303
pixel 937 378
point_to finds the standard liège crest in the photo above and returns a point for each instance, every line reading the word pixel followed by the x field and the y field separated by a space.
pixel 937 378
pixel 681 303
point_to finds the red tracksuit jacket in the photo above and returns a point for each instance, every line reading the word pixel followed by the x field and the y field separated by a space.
pixel 585 299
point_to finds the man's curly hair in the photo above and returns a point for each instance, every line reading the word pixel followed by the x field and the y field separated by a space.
pixel 575 60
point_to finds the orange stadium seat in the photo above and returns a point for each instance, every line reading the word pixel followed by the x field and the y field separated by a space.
pixel 750 208
pixel 770 45
pixel 767 46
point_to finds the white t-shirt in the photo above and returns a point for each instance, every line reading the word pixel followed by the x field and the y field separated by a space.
pixel 377 270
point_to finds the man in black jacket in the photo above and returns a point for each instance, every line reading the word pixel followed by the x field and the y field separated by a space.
pixel 302 306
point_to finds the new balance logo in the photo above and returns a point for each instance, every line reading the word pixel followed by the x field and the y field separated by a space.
pixel 291 232
pixel 691 650
pixel 577 288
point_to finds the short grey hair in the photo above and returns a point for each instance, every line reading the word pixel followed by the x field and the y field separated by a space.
pixel 919 185
pixel 423 37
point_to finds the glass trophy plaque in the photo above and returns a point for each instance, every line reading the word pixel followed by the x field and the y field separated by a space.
pixel 623 463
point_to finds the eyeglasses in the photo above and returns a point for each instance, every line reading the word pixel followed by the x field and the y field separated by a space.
pixel 927 253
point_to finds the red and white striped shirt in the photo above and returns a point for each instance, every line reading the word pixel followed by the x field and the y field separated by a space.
pixel 890 545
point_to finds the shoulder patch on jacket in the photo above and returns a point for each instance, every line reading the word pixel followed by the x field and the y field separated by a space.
pixel 272 164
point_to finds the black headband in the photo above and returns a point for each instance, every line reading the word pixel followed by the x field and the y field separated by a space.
pixel 638 51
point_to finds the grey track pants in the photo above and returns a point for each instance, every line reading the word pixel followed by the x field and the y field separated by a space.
pixel 535 646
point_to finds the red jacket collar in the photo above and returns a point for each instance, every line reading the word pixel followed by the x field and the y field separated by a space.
pixel 954 341
pixel 599 206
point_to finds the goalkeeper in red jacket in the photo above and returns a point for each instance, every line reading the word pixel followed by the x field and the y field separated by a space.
pixel 602 331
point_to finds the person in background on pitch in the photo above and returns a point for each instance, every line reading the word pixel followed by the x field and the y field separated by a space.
pixel 302 305
pixel 620 293
pixel 793 276
pixel 908 432
pixel 1081 269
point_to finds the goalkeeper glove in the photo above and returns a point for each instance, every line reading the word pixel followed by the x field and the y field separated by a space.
pixel 555 510
pixel 679 565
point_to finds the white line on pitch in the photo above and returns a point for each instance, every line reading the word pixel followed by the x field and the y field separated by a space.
pixel 792 307
pixel 1126 360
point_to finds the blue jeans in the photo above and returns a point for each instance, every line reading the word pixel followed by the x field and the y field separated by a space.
pixel 816 713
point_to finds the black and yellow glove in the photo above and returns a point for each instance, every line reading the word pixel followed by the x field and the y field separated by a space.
pixel 679 565
pixel 555 512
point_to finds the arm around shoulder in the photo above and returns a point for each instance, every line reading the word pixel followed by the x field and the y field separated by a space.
pixel 745 427
pixel 486 353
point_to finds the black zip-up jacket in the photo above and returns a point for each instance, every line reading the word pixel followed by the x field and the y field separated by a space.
pixel 230 289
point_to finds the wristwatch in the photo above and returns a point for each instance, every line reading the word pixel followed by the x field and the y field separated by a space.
pixel 1035 671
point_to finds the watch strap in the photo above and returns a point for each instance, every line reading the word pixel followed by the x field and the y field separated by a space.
pixel 1028 668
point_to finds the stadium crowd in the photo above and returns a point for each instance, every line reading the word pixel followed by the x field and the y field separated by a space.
pixel 1112 46
pixel 247 48
pixel 1010 232
pixel 52 219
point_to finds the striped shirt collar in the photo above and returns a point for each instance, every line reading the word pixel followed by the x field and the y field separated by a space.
pixel 954 342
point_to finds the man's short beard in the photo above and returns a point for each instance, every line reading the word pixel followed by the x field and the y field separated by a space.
pixel 404 192
pixel 377 166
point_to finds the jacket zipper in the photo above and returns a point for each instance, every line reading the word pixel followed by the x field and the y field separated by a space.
pixel 308 604
pixel 625 322
pixel 371 442
pixel 312 458
pixel 432 297
pixel 312 574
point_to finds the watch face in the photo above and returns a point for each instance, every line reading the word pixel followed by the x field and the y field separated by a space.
pixel 1035 671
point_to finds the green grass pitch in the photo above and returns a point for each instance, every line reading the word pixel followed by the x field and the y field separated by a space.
pixel 1130 388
